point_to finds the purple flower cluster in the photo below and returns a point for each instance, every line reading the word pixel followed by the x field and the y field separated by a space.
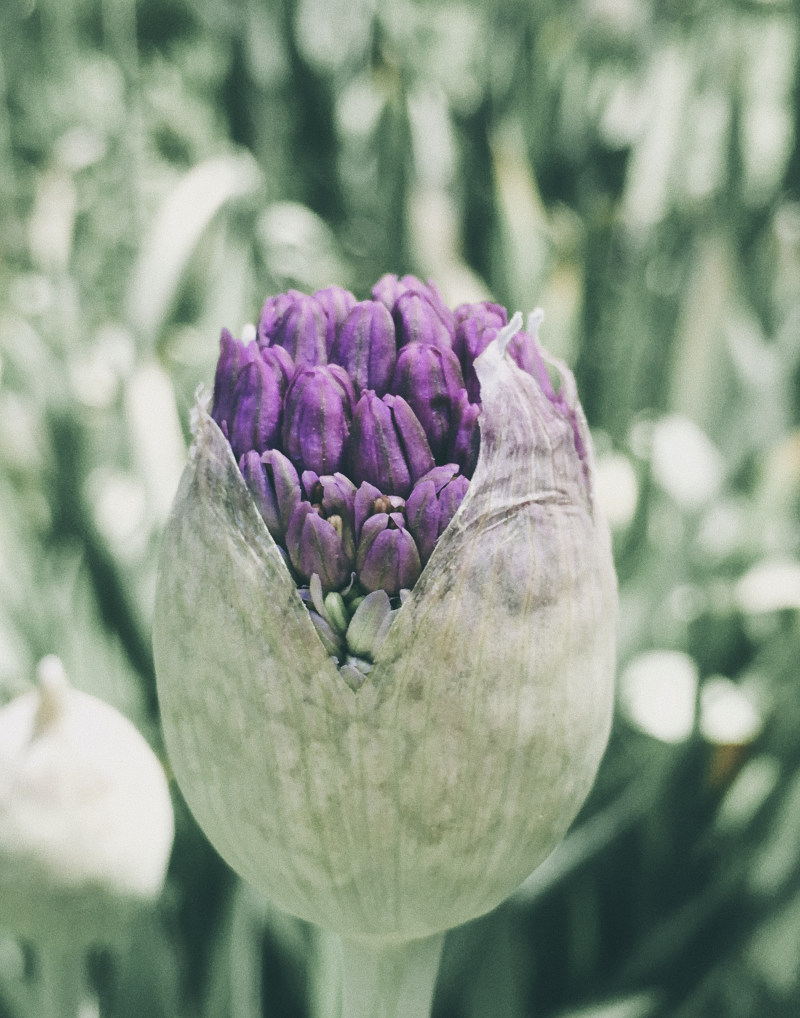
pixel 355 425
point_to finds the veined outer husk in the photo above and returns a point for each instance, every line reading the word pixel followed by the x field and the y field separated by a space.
pixel 422 800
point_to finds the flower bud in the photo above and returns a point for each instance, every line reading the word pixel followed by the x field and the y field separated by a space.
pixel 365 346
pixel 86 820
pixel 275 488
pixel 389 289
pixel 302 330
pixel 317 413
pixel 429 379
pixel 280 361
pixel 393 795
pixel 388 448
pixel 334 496
pixel 271 314
pixel 256 415
pixel 336 302
pixel 417 321
pixel 316 547
pixel 387 557
pixel 465 435
pixel 233 357
pixel 432 504
pixel 476 326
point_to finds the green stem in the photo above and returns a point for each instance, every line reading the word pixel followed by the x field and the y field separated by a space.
pixel 390 980
pixel 61 983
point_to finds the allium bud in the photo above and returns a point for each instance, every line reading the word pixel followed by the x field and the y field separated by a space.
pixel 334 496
pixel 429 379
pixel 476 326
pixel 465 434
pixel 256 413
pixel 388 447
pixel 85 815
pixel 418 321
pixel 302 330
pixel 275 487
pixel 432 504
pixel 271 314
pixel 281 363
pixel 365 346
pixel 234 356
pixel 316 547
pixel 336 302
pixel 317 414
pixel 387 557
pixel 389 289
pixel 393 765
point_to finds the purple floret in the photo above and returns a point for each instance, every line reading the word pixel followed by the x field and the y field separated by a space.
pixel 355 425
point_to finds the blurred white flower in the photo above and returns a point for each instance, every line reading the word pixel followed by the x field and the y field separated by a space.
pixel 86 821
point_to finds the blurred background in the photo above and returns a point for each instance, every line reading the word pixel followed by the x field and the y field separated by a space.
pixel 632 166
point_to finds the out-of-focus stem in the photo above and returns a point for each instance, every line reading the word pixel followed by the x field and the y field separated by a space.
pixel 61 980
pixel 390 980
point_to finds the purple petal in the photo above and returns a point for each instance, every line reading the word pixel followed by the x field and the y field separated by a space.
pixel 285 482
pixel 302 331
pixel 273 310
pixel 363 505
pixel 440 475
pixel 491 314
pixel 338 494
pixel 450 498
pixel 275 487
pixel 315 546
pixel 322 552
pixel 336 302
pixel 466 435
pixel 376 454
pixel 365 346
pixel 345 385
pixel 316 420
pixel 430 381
pixel 387 557
pixel 256 409
pixel 422 514
pixel 474 332
pixel 262 491
pixel 279 359
pixel 233 357
pixel 388 289
pixel 417 452
pixel 417 321
pixel 388 447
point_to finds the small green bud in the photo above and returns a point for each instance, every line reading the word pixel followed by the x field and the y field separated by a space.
pixel 336 610
pixel 369 625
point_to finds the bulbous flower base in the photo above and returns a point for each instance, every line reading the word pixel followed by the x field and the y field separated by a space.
pixel 422 800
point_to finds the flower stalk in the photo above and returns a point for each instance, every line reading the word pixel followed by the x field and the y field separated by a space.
pixel 61 980
pixel 389 980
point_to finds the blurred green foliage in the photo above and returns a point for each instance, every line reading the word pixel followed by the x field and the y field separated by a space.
pixel 633 167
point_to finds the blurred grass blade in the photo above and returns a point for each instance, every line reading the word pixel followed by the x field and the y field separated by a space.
pixel 180 223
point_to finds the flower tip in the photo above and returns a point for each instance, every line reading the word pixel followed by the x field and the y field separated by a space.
pixel 487 364
pixel 535 319
pixel 54 689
